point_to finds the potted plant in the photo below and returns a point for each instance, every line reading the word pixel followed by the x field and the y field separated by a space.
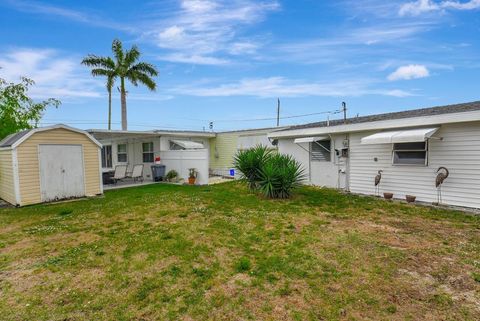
pixel 172 176
pixel 192 176
pixel 388 196
pixel 410 198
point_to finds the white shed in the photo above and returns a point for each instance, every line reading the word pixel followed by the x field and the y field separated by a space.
pixel 49 163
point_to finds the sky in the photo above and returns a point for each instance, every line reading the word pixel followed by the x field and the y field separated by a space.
pixel 228 62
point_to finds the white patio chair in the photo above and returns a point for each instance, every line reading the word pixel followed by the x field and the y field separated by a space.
pixel 137 173
pixel 120 173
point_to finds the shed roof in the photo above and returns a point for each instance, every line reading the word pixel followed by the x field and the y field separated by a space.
pixel 431 111
pixel 13 140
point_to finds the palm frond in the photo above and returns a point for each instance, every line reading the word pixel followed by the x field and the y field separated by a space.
pixel 97 61
pixel 145 68
pixel 140 77
pixel 117 49
pixel 131 56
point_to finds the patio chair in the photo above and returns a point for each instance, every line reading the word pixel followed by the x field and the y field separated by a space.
pixel 137 173
pixel 120 173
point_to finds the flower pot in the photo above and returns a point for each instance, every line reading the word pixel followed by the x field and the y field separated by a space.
pixel 388 196
pixel 410 198
pixel 191 180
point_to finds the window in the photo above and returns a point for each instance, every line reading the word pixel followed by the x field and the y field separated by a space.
pixel 320 151
pixel 410 153
pixel 107 156
pixel 147 149
pixel 122 153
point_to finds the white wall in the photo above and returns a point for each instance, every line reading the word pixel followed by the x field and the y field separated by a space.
pixel 165 141
pixel 459 151
pixel 182 160
pixel 319 173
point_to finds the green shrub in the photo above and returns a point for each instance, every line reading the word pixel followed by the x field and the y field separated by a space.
pixel 171 175
pixel 275 175
pixel 249 162
pixel 280 175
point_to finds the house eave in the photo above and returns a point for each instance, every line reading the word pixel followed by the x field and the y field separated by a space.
pixel 380 125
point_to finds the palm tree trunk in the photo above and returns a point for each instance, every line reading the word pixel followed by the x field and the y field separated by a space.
pixel 109 108
pixel 123 98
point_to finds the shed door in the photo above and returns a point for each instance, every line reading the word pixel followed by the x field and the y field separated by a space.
pixel 61 171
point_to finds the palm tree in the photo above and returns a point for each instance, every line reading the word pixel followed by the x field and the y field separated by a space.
pixel 103 66
pixel 125 65
pixel 128 67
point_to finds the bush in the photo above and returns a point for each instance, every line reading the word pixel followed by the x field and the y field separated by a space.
pixel 280 175
pixel 275 175
pixel 250 161
pixel 171 175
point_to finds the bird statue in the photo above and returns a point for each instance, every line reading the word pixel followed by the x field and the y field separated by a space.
pixel 378 178
pixel 441 177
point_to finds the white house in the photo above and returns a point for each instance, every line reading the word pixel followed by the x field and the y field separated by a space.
pixel 408 147
pixel 178 150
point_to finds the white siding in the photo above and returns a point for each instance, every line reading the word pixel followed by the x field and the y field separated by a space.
pixel 320 173
pixel 182 160
pixel 459 151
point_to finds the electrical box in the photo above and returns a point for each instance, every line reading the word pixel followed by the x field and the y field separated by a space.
pixel 344 152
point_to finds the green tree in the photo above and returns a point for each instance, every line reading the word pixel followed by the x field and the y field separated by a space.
pixel 17 110
pixel 125 65
pixel 103 66
pixel 129 68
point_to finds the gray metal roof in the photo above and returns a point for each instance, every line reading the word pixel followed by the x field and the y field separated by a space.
pixel 431 111
pixel 13 138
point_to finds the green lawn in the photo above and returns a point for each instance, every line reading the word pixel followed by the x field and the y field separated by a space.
pixel 219 252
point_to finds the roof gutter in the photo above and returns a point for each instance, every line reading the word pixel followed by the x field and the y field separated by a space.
pixel 378 125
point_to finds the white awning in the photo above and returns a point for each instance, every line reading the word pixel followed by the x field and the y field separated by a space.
pixel 400 136
pixel 187 144
pixel 310 139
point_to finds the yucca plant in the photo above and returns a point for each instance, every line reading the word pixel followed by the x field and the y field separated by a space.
pixel 249 163
pixel 280 175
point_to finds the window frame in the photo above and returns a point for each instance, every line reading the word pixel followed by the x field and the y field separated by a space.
pixel 425 150
pixel 104 157
pixel 122 153
pixel 148 152
pixel 324 148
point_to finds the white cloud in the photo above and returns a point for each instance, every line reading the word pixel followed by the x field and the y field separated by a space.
pixel 409 72
pixel 54 76
pixel 208 28
pixel 194 59
pixel 70 14
pixel 424 6
pixel 282 87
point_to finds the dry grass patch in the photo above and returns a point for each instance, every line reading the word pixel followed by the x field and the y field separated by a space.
pixel 221 253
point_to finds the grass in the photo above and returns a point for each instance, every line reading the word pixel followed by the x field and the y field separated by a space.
pixel 219 252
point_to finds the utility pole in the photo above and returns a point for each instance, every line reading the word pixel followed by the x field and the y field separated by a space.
pixel 278 112
pixel 344 109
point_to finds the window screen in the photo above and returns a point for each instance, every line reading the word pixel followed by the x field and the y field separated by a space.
pixel 107 156
pixel 147 152
pixel 320 151
pixel 122 153
pixel 410 153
